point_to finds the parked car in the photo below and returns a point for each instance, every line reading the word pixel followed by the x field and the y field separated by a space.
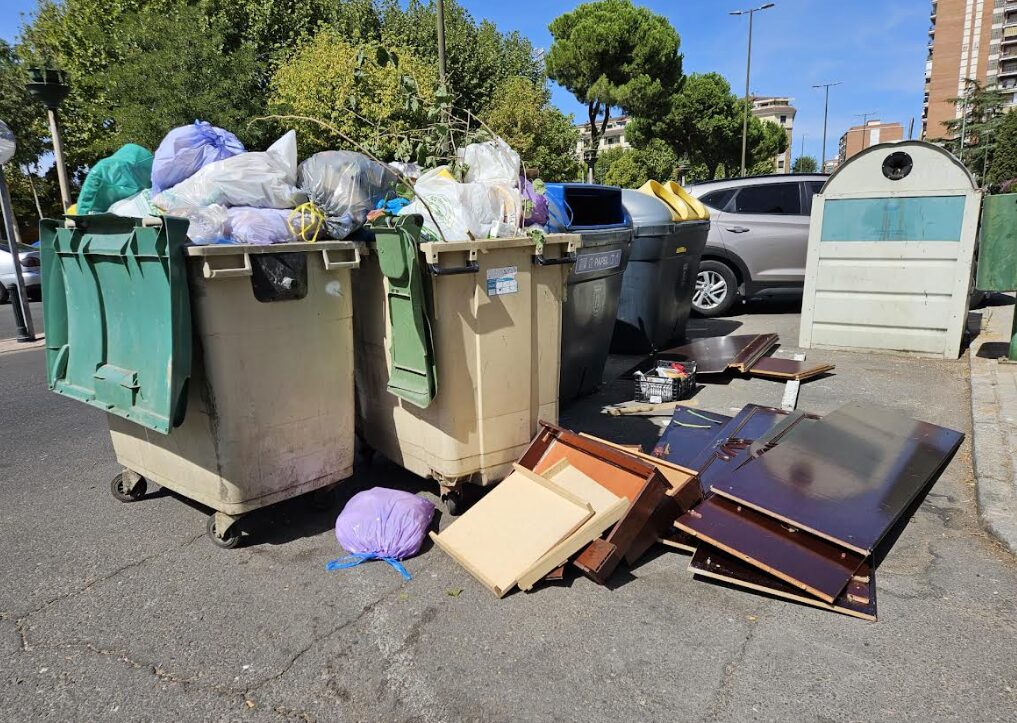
pixel 758 239
pixel 29 271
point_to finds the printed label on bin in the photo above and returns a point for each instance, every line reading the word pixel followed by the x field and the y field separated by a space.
pixel 502 281
pixel 599 261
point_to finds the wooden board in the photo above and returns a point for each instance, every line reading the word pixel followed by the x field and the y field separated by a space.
pixel 718 355
pixel 812 564
pixel 511 528
pixel 608 508
pixel 775 368
pixel 848 477
pixel 615 479
pixel 857 600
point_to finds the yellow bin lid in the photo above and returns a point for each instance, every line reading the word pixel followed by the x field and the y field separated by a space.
pixel 680 210
pixel 691 201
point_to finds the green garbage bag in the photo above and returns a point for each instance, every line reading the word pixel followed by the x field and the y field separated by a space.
pixel 120 176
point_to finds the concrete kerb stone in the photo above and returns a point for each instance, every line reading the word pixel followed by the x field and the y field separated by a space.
pixel 994 431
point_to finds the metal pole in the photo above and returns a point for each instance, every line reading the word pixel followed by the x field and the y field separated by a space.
pixel 26 332
pixel 964 124
pixel 745 117
pixel 440 11
pixel 826 116
pixel 58 152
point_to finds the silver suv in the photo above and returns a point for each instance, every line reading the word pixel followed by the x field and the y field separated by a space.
pixel 758 237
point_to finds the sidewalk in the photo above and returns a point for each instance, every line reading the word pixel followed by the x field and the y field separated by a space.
pixel 994 425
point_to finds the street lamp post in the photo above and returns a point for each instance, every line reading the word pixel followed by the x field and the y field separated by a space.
pixel 748 69
pixel 50 87
pixel 826 115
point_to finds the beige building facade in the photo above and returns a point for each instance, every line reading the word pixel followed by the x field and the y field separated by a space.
pixel 968 39
pixel 777 109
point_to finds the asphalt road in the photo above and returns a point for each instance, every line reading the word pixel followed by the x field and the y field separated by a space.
pixel 126 612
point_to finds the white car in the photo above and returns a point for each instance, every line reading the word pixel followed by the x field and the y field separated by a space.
pixel 30 271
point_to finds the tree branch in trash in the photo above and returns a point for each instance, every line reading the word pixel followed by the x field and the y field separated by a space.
pixel 363 149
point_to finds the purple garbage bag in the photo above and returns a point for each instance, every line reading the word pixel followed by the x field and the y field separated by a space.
pixel 185 150
pixel 382 524
pixel 534 202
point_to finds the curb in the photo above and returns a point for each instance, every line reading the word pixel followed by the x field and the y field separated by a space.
pixel 994 447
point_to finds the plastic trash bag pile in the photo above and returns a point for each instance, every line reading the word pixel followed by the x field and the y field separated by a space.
pixel 492 200
pixel 231 195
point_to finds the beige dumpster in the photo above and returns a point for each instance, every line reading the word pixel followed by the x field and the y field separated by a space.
pixel 490 312
pixel 270 406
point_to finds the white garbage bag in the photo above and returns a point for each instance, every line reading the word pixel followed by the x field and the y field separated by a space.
pixel 462 210
pixel 490 161
pixel 137 206
pixel 265 179
pixel 208 224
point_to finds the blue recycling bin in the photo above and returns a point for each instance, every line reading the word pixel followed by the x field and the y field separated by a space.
pixel 594 284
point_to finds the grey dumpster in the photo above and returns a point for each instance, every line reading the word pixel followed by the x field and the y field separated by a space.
pixel 594 283
pixel 656 293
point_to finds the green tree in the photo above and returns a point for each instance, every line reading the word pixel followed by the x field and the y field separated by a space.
pixel 1003 163
pixel 972 135
pixel 703 123
pixel 155 86
pixel 545 138
pixel 611 54
pixel 372 94
pixel 805 164
pixel 632 167
pixel 478 57
pixel 111 47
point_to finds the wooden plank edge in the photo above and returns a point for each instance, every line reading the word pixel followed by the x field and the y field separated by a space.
pixel 756 563
pixel 779 593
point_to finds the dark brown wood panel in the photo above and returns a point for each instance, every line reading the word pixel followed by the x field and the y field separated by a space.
pixel 714 355
pixel 803 560
pixel 857 600
pixel 848 477
pixel 776 368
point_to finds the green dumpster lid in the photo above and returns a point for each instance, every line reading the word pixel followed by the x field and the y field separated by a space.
pixel 118 316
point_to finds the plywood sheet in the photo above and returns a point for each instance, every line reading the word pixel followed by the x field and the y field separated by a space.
pixel 803 560
pixel 775 368
pixel 848 477
pixel 511 528
pixel 608 508
pixel 857 600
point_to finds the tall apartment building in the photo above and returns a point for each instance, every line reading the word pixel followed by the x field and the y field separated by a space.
pixel 874 132
pixel 974 39
pixel 777 109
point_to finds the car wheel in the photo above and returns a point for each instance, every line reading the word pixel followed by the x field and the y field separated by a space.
pixel 716 289
pixel 3 294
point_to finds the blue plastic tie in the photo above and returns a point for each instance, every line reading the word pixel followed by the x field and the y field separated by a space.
pixel 355 558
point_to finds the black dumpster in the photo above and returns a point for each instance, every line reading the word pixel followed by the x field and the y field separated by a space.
pixel 656 294
pixel 594 284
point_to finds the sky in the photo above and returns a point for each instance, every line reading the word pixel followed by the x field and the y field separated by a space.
pixel 876 48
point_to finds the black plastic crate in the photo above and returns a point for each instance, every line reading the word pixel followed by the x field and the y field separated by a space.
pixel 657 390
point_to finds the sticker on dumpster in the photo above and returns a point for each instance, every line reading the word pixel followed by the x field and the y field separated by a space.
pixel 599 261
pixel 502 281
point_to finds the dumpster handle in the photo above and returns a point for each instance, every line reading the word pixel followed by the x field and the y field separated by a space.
pixel 344 264
pixel 229 273
pixel 470 268
pixel 569 258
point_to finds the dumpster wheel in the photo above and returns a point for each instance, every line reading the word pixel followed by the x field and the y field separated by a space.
pixel 228 538
pixel 453 501
pixel 121 486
